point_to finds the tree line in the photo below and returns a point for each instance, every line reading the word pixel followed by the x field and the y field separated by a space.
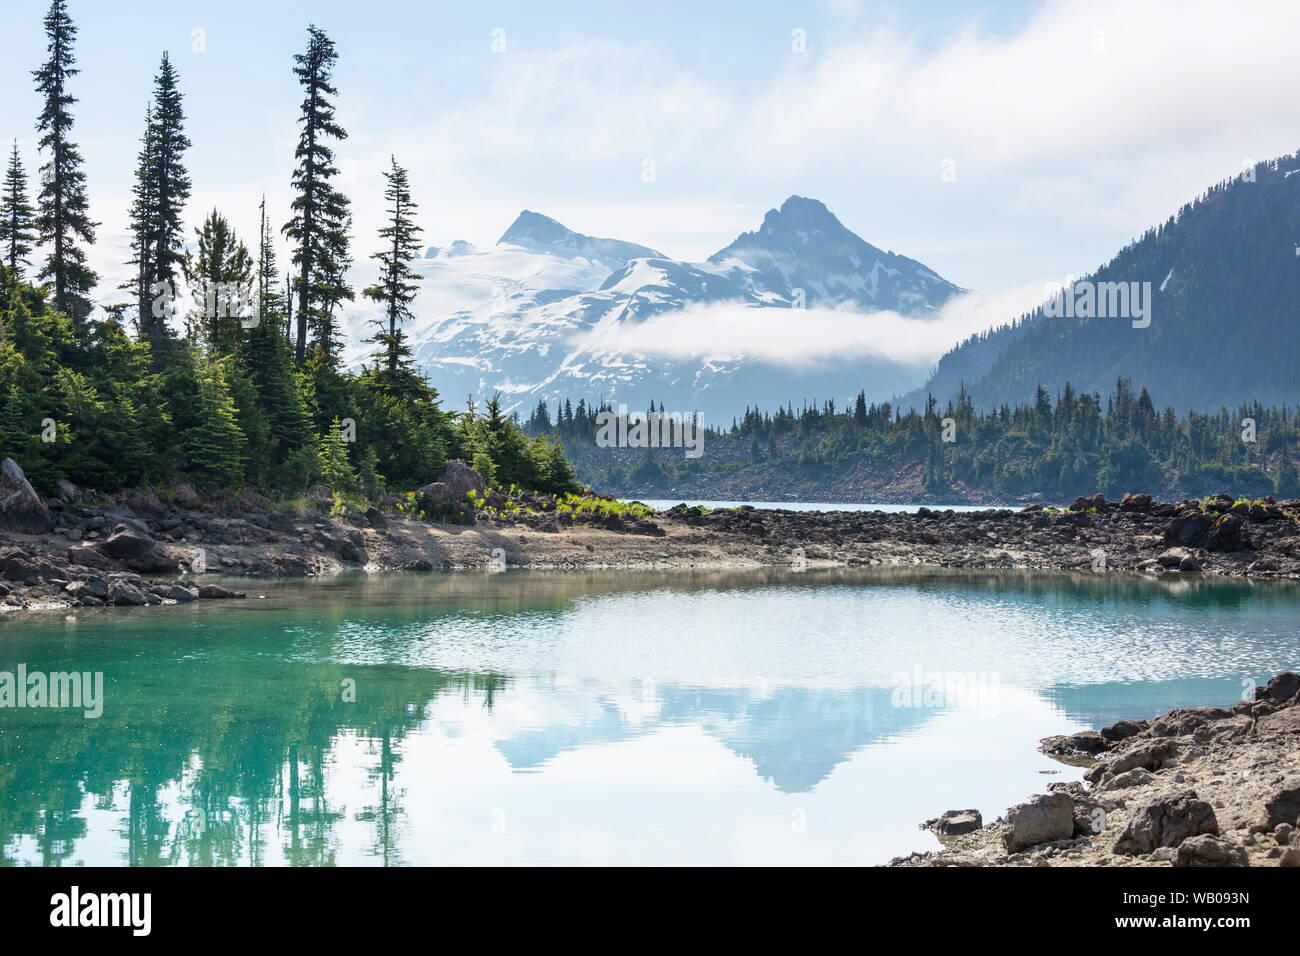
pixel 1073 444
pixel 245 384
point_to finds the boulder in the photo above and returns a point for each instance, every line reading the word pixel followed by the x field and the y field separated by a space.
pixel 217 592
pixel 1167 821
pixel 66 490
pixel 125 543
pixel 957 822
pixel 1284 805
pixel 1178 723
pixel 87 557
pixel 181 594
pixel 1281 688
pixel 1135 503
pixel 1123 729
pixel 1042 819
pixel 1189 529
pixel 1228 535
pixel 461 479
pixel 1086 743
pixel 125 594
pixel 1147 754
pixel 320 493
pixel 21 508
pixel 1209 850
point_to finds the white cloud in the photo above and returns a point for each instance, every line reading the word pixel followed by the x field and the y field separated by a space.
pixel 727 331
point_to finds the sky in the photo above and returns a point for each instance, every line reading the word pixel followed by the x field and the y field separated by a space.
pixel 1002 144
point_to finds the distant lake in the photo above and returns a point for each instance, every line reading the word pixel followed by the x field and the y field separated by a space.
pixel 700 717
pixel 663 504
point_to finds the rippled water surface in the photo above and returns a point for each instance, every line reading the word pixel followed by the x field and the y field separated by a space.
pixel 524 717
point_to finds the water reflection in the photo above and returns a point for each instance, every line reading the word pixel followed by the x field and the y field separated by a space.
pixel 421 719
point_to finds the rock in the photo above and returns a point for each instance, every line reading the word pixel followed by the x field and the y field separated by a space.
pixel 1042 819
pixel 1209 850
pixel 320 493
pixel 125 544
pixel 957 822
pixel 1219 731
pixel 21 508
pixel 1147 754
pixel 1168 821
pixel 217 592
pixel 462 479
pixel 1123 729
pixel 1189 529
pixel 1281 688
pixel 125 594
pixel 1179 723
pixel 146 506
pixel 1284 805
pixel 1135 503
pixel 1282 833
pixel 375 518
pixel 66 490
pixel 184 494
pixel 94 587
pixel 439 493
pixel 1174 557
pixel 1086 743
pixel 1227 535
pixel 1283 722
pixel 181 594
pixel 1136 777
pixel 87 557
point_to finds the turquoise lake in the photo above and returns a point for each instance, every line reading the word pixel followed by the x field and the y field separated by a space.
pixel 711 717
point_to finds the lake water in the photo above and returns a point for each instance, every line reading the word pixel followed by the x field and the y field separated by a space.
pixel 663 504
pixel 525 717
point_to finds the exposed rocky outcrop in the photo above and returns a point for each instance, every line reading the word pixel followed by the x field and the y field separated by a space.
pixel 1198 786
pixel 21 508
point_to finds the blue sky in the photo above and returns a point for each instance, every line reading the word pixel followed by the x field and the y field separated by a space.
pixel 1071 126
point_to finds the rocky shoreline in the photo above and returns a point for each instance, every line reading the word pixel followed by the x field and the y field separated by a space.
pixel 1200 786
pixel 134 549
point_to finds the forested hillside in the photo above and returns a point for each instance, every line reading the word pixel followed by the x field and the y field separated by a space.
pixel 1225 280
pixel 1052 449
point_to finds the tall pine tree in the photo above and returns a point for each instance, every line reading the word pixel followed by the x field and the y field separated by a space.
pixel 266 358
pixel 17 219
pixel 220 275
pixel 398 282
pixel 161 190
pixel 320 222
pixel 64 216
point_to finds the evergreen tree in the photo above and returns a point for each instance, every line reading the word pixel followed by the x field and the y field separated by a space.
pixel 335 468
pixel 63 218
pixel 397 283
pixel 220 278
pixel 320 222
pixel 214 446
pixel 266 358
pixel 17 222
pixel 161 190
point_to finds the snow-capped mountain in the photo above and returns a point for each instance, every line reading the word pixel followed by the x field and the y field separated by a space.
pixel 541 314
pixel 802 246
